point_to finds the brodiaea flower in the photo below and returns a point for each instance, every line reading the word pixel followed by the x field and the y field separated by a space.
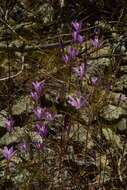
pixel 76 25
pixel 38 145
pixel 72 52
pixel 66 58
pixel 8 153
pixel 35 96
pixel 38 113
pixel 80 71
pixel 95 81
pixel 42 130
pixel 48 115
pixel 23 147
pixel 9 124
pixel 122 98
pixel 77 102
pixel 77 37
pixel 95 42
pixel 38 86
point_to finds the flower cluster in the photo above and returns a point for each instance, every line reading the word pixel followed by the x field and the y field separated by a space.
pixel 70 55
pixel 41 129
pixel 77 37
pixel 72 52
pixel 40 113
pixel 77 102
pixel 43 114
pixel 38 89
pixel 80 71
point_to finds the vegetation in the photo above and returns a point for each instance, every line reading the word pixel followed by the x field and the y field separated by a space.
pixel 63 95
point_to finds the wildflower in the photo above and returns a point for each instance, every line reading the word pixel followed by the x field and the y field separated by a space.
pixel 9 124
pixel 122 98
pixel 23 147
pixel 42 130
pixel 80 71
pixel 95 42
pixel 38 145
pixel 38 86
pixel 66 58
pixel 77 37
pixel 77 102
pixel 8 153
pixel 72 52
pixel 43 113
pixel 49 116
pixel 38 113
pixel 95 81
pixel 35 96
pixel 76 25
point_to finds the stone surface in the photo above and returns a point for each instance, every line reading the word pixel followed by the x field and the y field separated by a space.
pixel 3 115
pixel 112 113
pixel 122 125
pixel 123 69
pixel 13 137
pixel 22 105
pixel 121 83
pixel 115 100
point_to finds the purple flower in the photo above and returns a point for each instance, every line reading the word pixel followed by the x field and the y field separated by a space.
pixel 35 96
pixel 43 113
pixel 77 102
pixel 80 71
pixel 95 42
pixel 38 86
pixel 122 98
pixel 49 116
pixel 38 145
pixel 9 124
pixel 77 37
pixel 95 81
pixel 23 147
pixel 72 52
pixel 8 153
pixel 38 113
pixel 42 130
pixel 66 58
pixel 76 25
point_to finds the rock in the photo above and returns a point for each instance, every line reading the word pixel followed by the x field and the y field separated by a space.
pixel 121 83
pixel 13 137
pixel 112 113
pixel 102 52
pixel 46 12
pixel 22 105
pixel 122 125
pixel 104 62
pixel 3 115
pixel 123 69
pixel 115 100
pixel 112 137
